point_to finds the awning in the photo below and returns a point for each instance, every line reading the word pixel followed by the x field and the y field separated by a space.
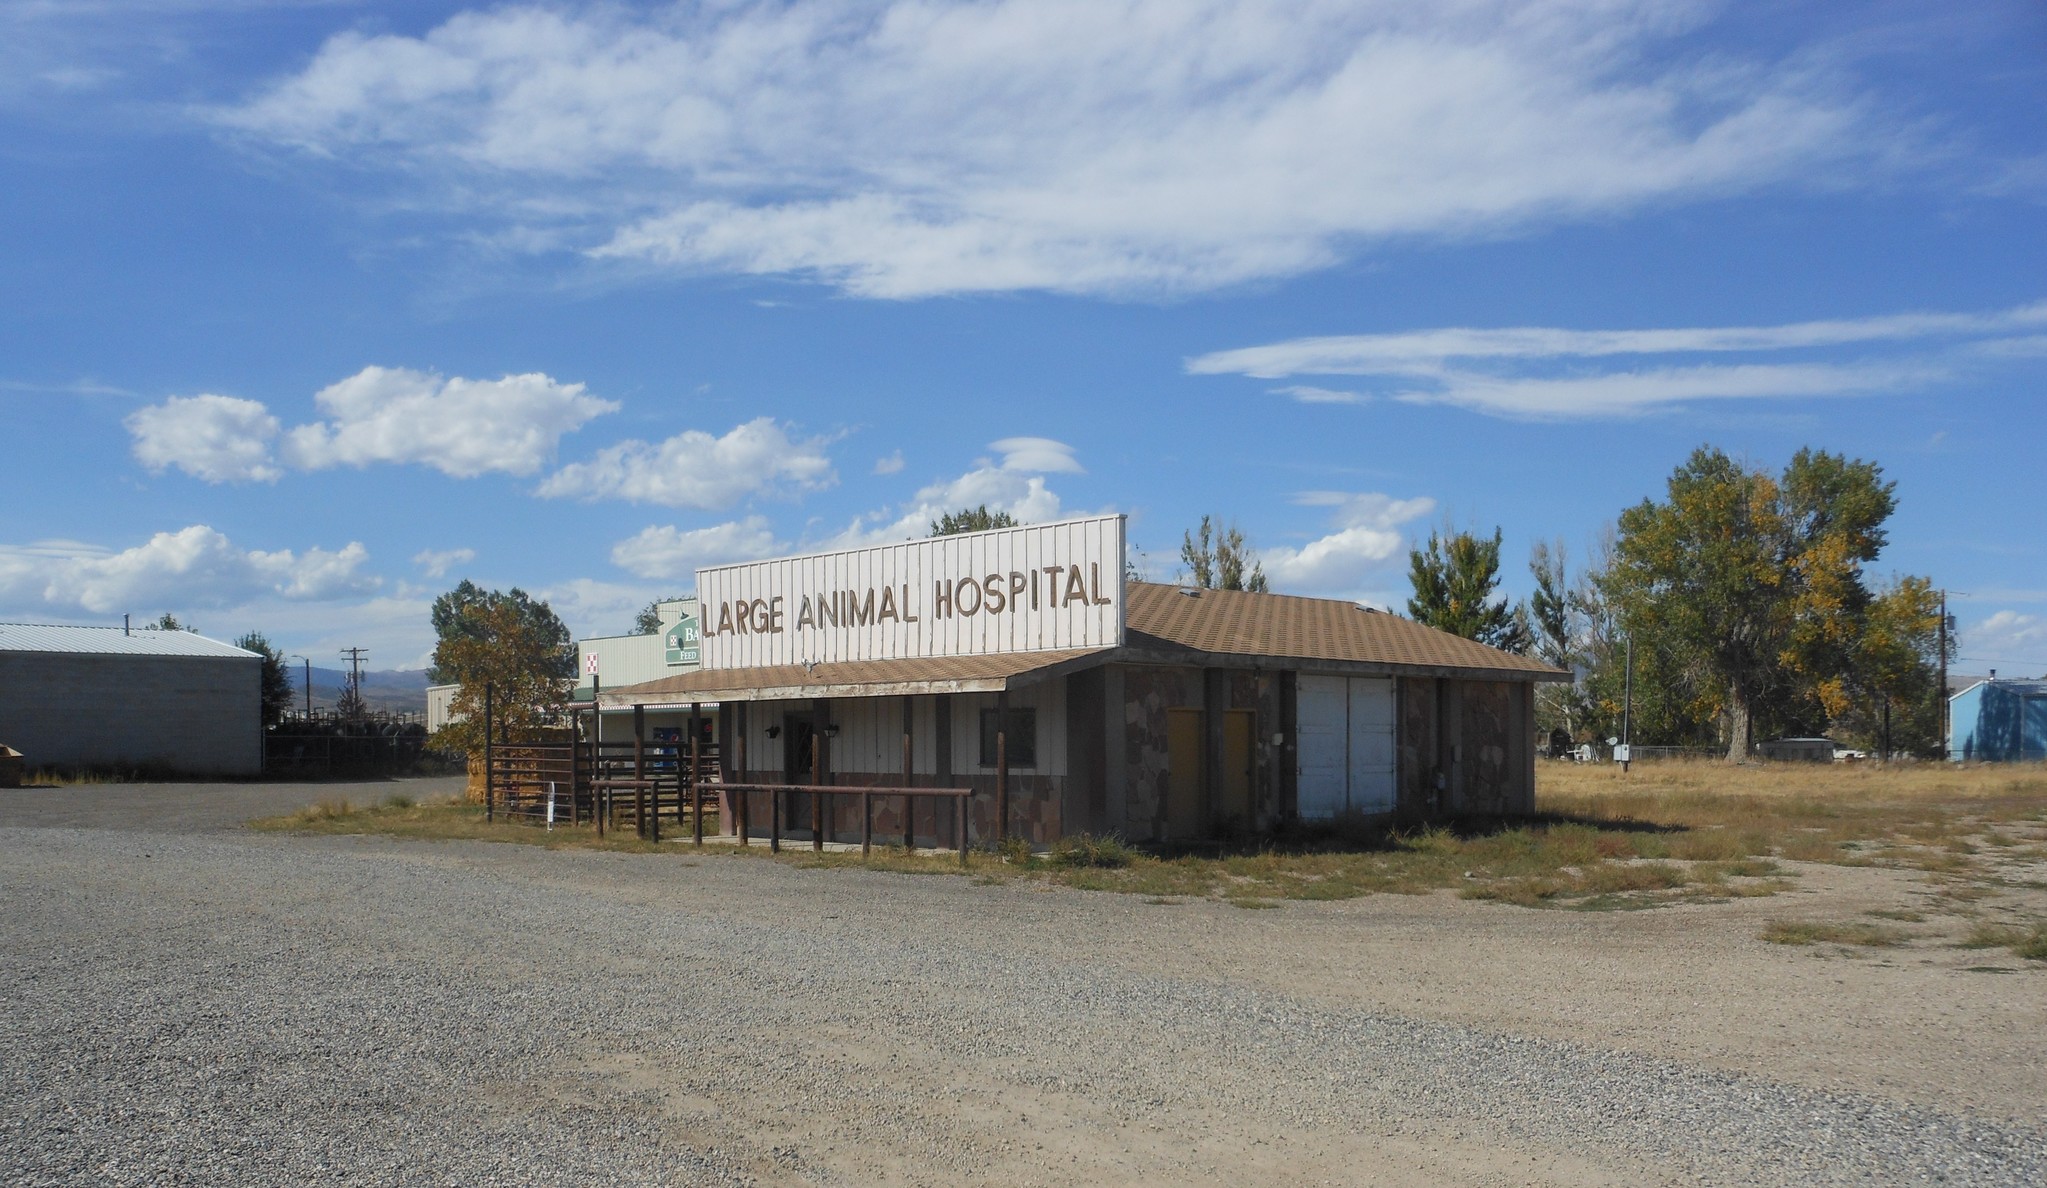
pixel 857 678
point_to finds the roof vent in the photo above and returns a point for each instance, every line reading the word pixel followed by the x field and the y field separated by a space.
pixel 1190 591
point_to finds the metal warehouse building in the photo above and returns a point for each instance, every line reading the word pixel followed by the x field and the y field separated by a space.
pixel 1020 664
pixel 1999 722
pixel 108 696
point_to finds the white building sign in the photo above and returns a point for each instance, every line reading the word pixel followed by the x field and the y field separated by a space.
pixel 1042 587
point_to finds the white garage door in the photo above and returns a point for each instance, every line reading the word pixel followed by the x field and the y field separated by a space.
pixel 1346 751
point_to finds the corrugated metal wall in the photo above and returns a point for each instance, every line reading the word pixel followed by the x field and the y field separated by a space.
pixel 197 715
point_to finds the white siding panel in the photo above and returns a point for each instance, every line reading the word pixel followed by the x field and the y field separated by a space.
pixel 1035 616
pixel 1322 709
pixel 1372 785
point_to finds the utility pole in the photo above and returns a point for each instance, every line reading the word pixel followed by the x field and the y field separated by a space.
pixel 351 698
pixel 1628 707
pixel 1940 702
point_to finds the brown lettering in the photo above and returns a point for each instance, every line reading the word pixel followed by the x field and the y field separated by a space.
pixel 724 618
pixel 993 584
pixel 775 615
pixel 859 609
pixel 803 616
pixel 888 606
pixel 1016 589
pixel 907 616
pixel 941 599
pixel 1052 575
pixel 1094 573
pixel 960 589
pixel 1076 586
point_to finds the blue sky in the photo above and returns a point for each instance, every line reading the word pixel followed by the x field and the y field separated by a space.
pixel 314 309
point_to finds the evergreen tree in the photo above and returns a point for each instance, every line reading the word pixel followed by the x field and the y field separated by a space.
pixel 971 519
pixel 1456 580
pixel 277 692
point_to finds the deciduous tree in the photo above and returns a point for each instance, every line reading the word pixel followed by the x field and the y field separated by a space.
pixel 1217 558
pixel 509 642
pixel 1752 586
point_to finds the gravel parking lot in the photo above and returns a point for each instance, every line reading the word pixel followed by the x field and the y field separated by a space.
pixel 188 1002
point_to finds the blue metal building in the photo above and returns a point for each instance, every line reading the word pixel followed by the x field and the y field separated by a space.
pixel 1998 722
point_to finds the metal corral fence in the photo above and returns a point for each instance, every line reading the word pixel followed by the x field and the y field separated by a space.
pixel 326 746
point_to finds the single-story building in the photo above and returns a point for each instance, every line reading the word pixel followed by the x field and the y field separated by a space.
pixel 1998 721
pixel 115 697
pixel 1019 663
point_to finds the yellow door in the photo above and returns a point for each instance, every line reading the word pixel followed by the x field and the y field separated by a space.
pixel 1233 805
pixel 1183 773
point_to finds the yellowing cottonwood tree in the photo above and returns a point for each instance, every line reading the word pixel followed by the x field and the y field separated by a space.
pixel 1759 580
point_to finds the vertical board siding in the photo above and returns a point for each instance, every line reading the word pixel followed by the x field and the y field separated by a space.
pixel 912 574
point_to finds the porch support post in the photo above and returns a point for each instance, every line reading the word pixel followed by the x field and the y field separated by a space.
pixel 1002 766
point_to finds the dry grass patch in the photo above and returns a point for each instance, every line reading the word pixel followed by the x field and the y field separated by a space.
pixel 1807 932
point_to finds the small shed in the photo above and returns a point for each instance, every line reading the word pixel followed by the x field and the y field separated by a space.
pixel 110 696
pixel 1998 721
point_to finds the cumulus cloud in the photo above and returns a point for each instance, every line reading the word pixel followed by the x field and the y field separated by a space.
pixel 195 566
pixel 460 427
pixel 1367 535
pixel 1165 145
pixel 675 553
pixel 893 464
pixel 695 469
pixel 437 564
pixel 1014 484
pixel 1536 372
pixel 221 439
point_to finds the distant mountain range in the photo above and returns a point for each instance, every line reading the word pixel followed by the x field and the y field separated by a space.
pixel 395 692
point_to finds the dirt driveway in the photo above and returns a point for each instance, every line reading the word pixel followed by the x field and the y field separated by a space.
pixel 192 1001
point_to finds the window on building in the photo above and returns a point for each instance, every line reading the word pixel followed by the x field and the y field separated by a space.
pixel 1023 736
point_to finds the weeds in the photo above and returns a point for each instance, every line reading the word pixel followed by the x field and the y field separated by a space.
pixel 1807 932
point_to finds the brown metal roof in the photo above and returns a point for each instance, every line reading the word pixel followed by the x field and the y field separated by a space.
pixel 852 678
pixel 1161 625
pixel 1231 622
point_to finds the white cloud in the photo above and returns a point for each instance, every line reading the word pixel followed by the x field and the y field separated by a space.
pixel 893 464
pixel 905 149
pixel 1015 485
pixel 461 427
pixel 193 567
pixel 1367 537
pixel 1307 394
pixel 1533 372
pixel 672 553
pixel 695 469
pixel 2013 643
pixel 1036 455
pixel 437 564
pixel 220 439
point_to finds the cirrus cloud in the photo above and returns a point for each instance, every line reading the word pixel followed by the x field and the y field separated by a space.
pixel 906 148
pixel 1544 372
